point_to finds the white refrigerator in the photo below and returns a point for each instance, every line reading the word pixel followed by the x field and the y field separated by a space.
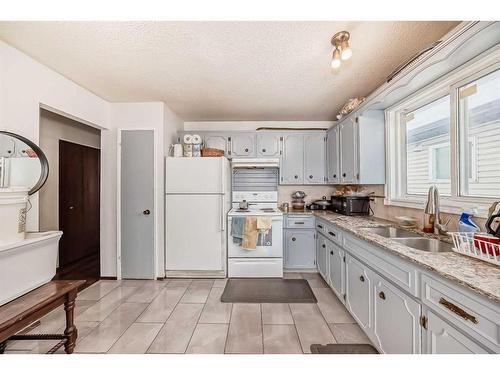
pixel 197 201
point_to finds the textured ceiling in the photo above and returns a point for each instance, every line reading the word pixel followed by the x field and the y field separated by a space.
pixel 224 70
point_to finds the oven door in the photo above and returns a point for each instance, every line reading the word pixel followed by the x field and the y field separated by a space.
pixel 270 249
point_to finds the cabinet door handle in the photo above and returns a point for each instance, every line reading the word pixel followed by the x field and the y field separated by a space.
pixel 334 176
pixel 320 226
pixel 331 252
pixel 362 278
pixel 293 238
pixel 296 176
pixel 299 222
pixel 381 295
pixel 323 246
pixel 263 150
pixel 457 310
pixel 246 150
pixel 343 175
pixel 310 176
pixel 146 212
pixel 332 234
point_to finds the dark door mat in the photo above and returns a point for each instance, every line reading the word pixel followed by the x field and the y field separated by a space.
pixel 268 291
pixel 343 349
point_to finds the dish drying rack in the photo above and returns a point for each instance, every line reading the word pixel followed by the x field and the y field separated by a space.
pixel 466 244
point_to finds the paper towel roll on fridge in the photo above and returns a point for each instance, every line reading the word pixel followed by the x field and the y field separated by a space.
pixel 196 139
pixel 188 139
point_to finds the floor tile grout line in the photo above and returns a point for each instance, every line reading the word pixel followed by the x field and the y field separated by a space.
pixel 109 291
pixel 100 323
pixel 228 328
pixel 125 330
pixel 166 320
pixel 296 330
pixel 262 328
pixel 195 326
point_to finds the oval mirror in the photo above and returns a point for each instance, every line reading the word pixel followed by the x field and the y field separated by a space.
pixel 22 163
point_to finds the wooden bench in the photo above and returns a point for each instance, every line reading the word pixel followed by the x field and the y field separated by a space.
pixel 27 309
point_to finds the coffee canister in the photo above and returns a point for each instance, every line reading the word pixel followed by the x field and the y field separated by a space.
pixel 188 150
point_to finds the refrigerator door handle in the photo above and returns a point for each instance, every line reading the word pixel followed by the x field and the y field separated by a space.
pixel 223 214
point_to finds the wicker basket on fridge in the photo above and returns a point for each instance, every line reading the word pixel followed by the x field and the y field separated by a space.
pixel 211 152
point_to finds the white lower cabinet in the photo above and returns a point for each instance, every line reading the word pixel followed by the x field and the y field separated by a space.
pixel 321 259
pixel 359 291
pixel 396 319
pixel 442 338
pixel 336 269
pixel 299 248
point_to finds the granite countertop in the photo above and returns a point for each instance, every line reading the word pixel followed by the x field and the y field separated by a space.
pixel 479 276
pixel 299 212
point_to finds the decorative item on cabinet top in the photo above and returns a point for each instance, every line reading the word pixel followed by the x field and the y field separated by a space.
pixel 350 106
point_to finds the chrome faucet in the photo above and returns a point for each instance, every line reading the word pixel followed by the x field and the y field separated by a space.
pixel 432 208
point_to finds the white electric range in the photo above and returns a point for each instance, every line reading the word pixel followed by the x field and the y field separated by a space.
pixel 266 260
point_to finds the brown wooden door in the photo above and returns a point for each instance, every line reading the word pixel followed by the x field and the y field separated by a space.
pixel 79 190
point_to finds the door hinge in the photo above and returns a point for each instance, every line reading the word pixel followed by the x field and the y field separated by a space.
pixel 229 139
pixel 345 296
pixel 281 138
pixel 281 178
pixel 343 259
pixel 423 321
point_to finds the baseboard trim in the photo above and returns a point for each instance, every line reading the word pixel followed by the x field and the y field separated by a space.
pixel 196 274
pixel 107 278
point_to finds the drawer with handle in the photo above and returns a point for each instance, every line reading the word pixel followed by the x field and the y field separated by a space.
pixel 300 221
pixel 333 234
pixel 473 315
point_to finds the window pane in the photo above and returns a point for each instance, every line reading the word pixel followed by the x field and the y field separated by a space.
pixel 428 148
pixel 479 120
pixel 442 163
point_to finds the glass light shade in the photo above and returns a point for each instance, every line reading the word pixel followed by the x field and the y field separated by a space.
pixel 346 54
pixel 346 50
pixel 336 58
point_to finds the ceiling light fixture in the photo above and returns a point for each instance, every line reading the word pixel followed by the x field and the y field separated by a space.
pixel 341 49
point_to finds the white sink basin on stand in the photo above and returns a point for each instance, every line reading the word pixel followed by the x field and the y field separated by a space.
pixel 27 264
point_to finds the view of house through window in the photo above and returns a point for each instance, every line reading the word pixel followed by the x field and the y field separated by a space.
pixel 479 119
pixel 428 148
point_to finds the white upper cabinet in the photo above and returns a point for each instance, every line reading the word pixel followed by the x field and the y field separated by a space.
pixel 303 159
pixel 333 155
pixel 356 150
pixel 242 145
pixel 348 152
pixel 292 160
pixel 219 142
pixel 268 145
pixel 314 158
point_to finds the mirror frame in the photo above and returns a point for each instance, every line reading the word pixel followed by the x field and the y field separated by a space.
pixel 44 163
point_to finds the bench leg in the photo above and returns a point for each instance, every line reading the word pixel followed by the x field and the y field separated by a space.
pixel 70 332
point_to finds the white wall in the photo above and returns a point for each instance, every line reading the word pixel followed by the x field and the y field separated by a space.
pixel 173 124
pixel 26 86
pixel 252 125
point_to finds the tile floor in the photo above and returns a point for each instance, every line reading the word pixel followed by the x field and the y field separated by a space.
pixel 186 316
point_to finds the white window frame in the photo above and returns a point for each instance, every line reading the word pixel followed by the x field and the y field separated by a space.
pixel 395 188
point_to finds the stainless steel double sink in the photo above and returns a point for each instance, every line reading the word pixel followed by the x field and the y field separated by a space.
pixel 411 239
